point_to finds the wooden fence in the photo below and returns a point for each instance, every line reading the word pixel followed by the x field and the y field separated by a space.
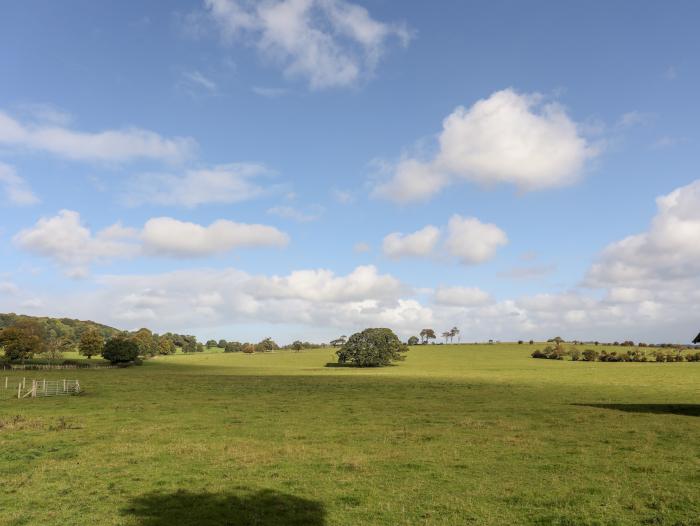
pixel 39 388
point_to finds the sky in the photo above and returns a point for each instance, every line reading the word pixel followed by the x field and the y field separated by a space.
pixel 301 169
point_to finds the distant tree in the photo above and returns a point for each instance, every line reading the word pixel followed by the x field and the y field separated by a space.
pixel 189 344
pixel 531 342
pixel 120 349
pixel 91 343
pixel 339 342
pixel 454 332
pixel 520 342
pixel 233 347
pixel 146 341
pixel 222 343
pixel 427 334
pixel 211 343
pixel 297 345
pixel 199 347
pixel 248 348
pixel 22 340
pixel 166 346
pixel 413 340
pixel 446 335
pixel 267 345
pixel 372 348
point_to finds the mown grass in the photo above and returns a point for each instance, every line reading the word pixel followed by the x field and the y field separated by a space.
pixel 456 434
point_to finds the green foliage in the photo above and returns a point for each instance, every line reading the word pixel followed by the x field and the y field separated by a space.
pixel 372 348
pixel 233 347
pixel 120 349
pixel 22 340
pixel 211 343
pixel 266 345
pixel 589 355
pixel 91 343
pixel 427 334
pixel 413 340
pixel 222 343
pixel 166 346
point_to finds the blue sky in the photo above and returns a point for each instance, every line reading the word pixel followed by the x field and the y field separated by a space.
pixel 305 168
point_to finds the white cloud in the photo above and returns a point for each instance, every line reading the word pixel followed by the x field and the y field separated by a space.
pixel 472 241
pixel 461 296
pixel 330 43
pixel 311 213
pixel 507 138
pixel 71 245
pixel 110 145
pixel 227 183
pixel 667 252
pixel 165 236
pixel 418 244
pixel 344 197
pixel 16 189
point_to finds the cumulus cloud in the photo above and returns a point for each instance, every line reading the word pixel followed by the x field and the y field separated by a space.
pixel 165 236
pixel 467 239
pixel 420 243
pixel 329 43
pixel 226 183
pixel 508 138
pixel 668 251
pixel 472 241
pixel 72 245
pixel 109 145
pixel 16 189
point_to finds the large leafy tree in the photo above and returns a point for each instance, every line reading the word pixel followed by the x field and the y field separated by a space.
pixel 120 349
pixel 91 343
pixel 427 334
pixel 22 341
pixel 372 348
pixel 413 340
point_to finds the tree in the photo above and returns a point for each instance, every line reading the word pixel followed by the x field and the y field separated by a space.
pixel 146 341
pixel 427 334
pixel 446 335
pixel 22 341
pixel 91 343
pixel 166 346
pixel 211 343
pixel 222 343
pixel 297 345
pixel 413 340
pixel 120 349
pixel 454 332
pixel 372 348
pixel 233 347
pixel 339 342
pixel 248 348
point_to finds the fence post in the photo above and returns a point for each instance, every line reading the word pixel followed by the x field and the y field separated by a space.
pixel 64 385
pixel 19 390
pixel 34 382
pixel 24 383
pixel 6 378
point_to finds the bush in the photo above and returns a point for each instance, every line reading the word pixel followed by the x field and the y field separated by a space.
pixel 589 355
pixel 233 347
pixel 249 348
pixel 575 355
pixel 120 350
pixel 372 348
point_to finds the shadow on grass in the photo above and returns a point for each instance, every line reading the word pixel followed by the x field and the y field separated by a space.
pixel 336 364
pixel 263 508
pixel 659 409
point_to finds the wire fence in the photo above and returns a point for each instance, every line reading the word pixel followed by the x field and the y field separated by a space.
pixel 22 388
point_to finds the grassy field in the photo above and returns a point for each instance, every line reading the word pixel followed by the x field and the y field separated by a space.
pixel 456 434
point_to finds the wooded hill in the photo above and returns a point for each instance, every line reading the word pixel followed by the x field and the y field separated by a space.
pixel 59 327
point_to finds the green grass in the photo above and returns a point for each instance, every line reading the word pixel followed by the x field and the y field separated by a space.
pixel 469 434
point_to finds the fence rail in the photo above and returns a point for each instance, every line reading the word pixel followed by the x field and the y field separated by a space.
pixel 38 388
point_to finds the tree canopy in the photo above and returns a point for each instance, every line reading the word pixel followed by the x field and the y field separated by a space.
pixel 372 348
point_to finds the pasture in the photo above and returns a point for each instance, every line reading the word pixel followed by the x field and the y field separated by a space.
pixel 456 434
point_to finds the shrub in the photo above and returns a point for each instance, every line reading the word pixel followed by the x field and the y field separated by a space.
pixel 575 355
pixel 248 348
pixel 372 348
pixel 120 350
pixel 233 347
pixel 589 355
pixel 693 357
